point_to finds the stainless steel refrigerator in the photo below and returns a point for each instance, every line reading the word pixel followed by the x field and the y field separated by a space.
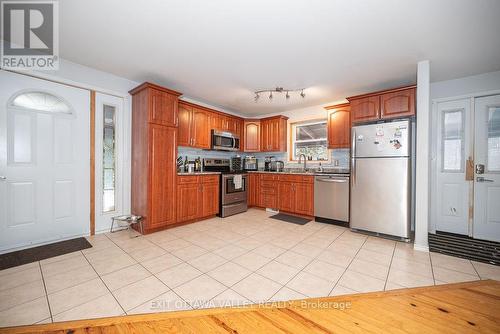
pixel 381 178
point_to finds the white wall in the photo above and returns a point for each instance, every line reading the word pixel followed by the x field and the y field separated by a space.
pixel 472 86
pixel 301 114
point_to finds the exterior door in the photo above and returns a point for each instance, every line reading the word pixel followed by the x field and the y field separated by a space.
pixel 108 159
pixel 453 191
pixel 487 172
pixel 44 161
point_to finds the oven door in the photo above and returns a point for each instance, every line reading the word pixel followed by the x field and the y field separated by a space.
pixel 229 192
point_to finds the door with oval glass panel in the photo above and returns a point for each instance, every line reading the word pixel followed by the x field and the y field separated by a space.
pixel 44 161
pixel 487 168
pixel 108 159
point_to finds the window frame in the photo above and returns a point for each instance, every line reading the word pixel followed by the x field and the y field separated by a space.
pixel 291 150
pixel 444 138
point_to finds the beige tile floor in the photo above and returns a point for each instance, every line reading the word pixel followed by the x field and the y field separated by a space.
pixel 246 258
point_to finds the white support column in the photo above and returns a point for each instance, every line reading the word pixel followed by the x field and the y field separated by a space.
pixel 422 157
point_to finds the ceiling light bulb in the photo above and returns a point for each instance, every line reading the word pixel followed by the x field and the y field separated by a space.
pixel 287 95
pixel 270 95
pixel 256 97
pixel 302 94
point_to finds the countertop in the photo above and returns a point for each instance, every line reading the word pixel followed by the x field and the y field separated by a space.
pixel 312 173
pixel 198 173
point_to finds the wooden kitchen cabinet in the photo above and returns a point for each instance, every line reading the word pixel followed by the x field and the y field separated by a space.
pixel 251 131
pixel 396 104
pixel 339 126
pixel 273 134
pixel 296 194
pixel 197 197
pixel 154 153
pixel 268 191
pixel 365 109
pixel 163 102
pixel 383 105
pixel 253 189
pixel 194 126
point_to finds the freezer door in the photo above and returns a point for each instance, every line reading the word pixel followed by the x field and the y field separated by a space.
pixel 381 140
pixel 380 196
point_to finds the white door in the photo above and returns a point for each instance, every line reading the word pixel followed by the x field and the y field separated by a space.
pixel 452 192
pixel 108 159
pixel 487 173
pixel 44 161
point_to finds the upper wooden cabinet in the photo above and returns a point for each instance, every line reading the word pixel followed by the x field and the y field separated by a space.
pixel 154 153
pixel 251 129
pixel 393 103
pixel 339 125
pixel 161 103
pixel 398 104
pixel 194 126
pixel 273 131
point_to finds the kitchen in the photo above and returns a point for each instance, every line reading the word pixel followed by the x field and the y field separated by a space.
pixel 197 166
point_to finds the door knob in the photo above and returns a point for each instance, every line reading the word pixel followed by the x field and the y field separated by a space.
pixel 3 178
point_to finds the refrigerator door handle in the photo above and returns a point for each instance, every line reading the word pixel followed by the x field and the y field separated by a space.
pixel 353 160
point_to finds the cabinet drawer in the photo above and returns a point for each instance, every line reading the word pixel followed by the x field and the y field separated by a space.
pixel 209 178
pixel 308 179
pixel 187 179
pixel 268 187
pixel 268 177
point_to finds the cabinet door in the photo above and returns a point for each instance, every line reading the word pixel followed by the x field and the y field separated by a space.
pixel 286 196
pixel 398 104
pixel 253 189
pixel 163 151
pixel 264 135
pixel 188 201
pixel 304 199
pixel 339 128
pixel 215 121
pixel 252 136
pixel 210 199
pixel 365 109
pixel 184 134
pixel 163 109
pixel 200 129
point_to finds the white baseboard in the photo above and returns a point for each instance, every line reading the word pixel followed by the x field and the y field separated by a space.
pixel 421 248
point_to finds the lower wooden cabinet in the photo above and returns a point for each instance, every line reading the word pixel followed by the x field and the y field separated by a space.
pixel 197 196
pixel 286 192
pixel 253 189
pixel 296 194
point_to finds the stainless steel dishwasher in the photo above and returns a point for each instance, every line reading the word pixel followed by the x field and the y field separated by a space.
pixel 331 197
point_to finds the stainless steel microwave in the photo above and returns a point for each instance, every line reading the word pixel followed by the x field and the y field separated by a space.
pixel 225 141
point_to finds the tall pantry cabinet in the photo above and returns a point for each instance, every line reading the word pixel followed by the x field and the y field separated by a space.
pixel 154 153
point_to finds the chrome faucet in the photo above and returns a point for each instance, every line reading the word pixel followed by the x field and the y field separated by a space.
pixel 305 160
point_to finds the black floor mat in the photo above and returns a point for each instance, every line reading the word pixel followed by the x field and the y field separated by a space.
pixel 38 253
pixel 291 219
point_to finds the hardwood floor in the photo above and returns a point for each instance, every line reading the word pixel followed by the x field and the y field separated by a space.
pixel 451 308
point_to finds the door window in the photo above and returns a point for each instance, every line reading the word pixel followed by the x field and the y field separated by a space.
pixel 41 101
pixel 453 141
pixel 108 158
pixel 493 158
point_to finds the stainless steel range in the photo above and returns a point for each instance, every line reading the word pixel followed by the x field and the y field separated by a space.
pixel 233 187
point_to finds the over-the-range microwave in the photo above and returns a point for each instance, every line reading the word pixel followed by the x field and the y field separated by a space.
pixel 225 141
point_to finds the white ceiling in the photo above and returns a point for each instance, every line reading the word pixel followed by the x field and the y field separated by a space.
pixel 220 51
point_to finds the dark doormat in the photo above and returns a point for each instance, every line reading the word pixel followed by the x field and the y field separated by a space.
pixel 291 219
pixel 38 253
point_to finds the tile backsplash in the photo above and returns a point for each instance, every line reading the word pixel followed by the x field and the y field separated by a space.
pixel 340 155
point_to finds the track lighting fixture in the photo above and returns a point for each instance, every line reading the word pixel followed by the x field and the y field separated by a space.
pixel 279 90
